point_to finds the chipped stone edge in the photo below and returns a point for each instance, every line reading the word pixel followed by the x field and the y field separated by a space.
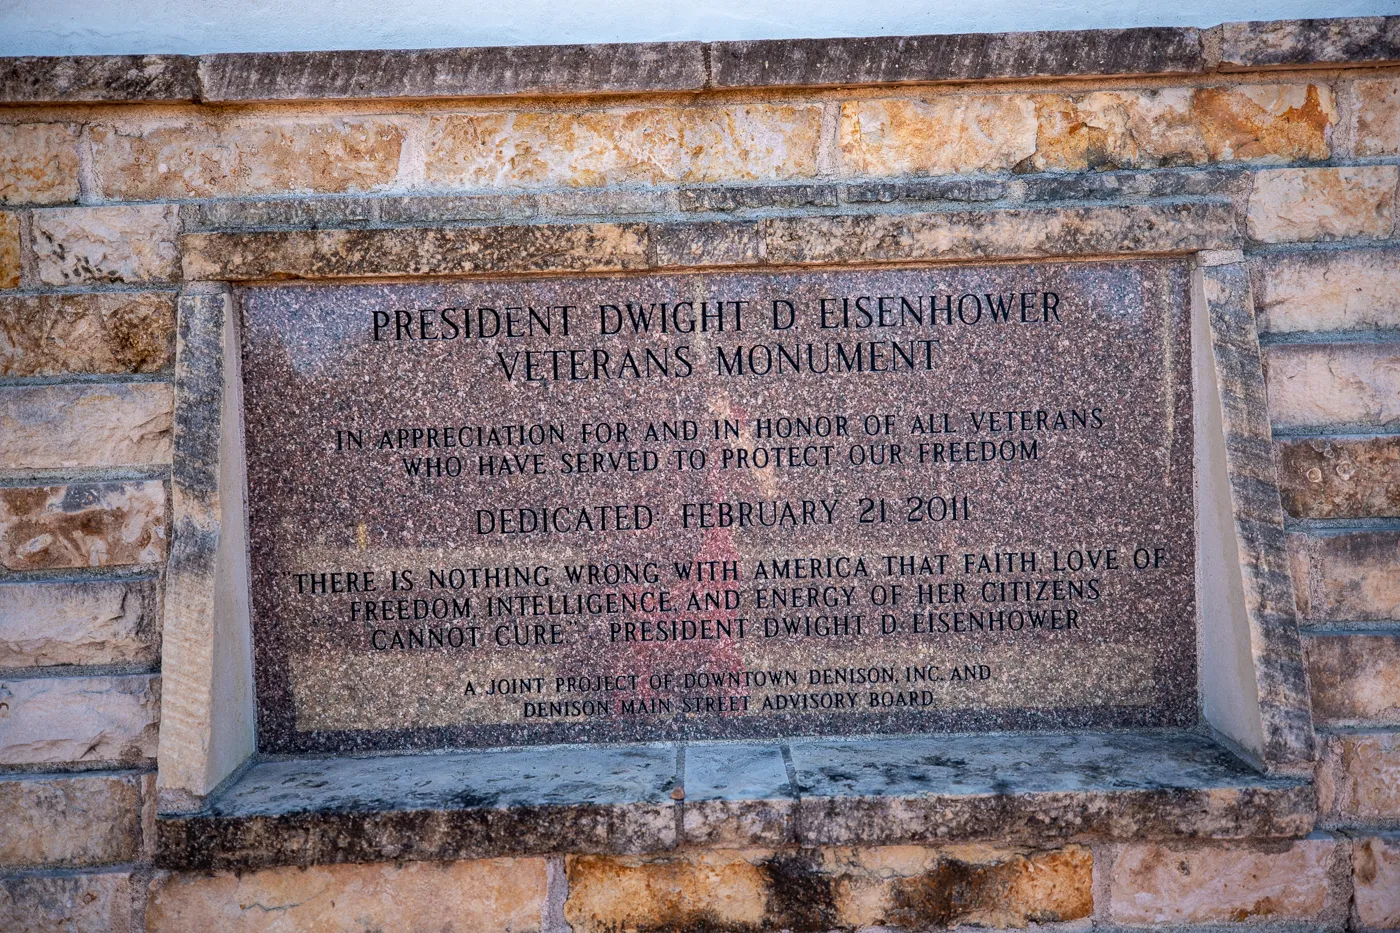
pixel 1275 643
pixel 687 67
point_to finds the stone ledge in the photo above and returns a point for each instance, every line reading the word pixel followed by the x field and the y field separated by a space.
pixel 1162 227
pixel 669 67
pixel 1021 790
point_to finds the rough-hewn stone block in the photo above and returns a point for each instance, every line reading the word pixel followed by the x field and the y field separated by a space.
pixel 122 424
pixel 1351 289
pixel 229 159
pixel 9 250
pixel 81 245
pixel 73 820
pixel 1154 883
pixel 488 896
pixel 1377 117
pixel 1355 678
pixel 1352 40
pixel 1321 385
pixel 82 525
pixel 1339 477
pixel 609 147
pixel 84 78
pixel 1295 205
pixel 38 163
pixel 703 244
pixel 79 719
pixel 939 136
pixel 907 887
pixel 1375 871
pixel 1183 126
pixel 757 197
pixel 44 624
pixel 1358 778
pixel 1348 577
pixel 66 903
pixel 58 335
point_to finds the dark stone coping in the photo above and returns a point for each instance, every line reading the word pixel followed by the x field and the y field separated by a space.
pixel 513 71
pixel 1015 789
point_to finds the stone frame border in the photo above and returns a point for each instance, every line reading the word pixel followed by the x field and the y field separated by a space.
pixel 207 734
pixel 564 70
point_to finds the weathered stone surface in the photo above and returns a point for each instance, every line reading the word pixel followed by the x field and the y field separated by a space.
pixel 1350 289
pixel 72 820
pixel 910 59
pixel 79 719
pixel 737 795
pixel 480 72
pixel 80 245
pixel 1353 40
pixel 92 78
pixel 704 244
pixel 937 136
pixel 306 155
pixel 1377 117
pixel 1183 126
pixel 428 209
pixel 488 896
pixel 82 525
pixel 66 903
pixel 1358 779
pixel 44 624
pixel 829 889
pixel 1349 577
pixel 1228 182
pixel 757 197
pixel 931 189
pixel 112 333
pixel 1155 883
pixel 120 424
pixel 609 147
pixel 1339 477
pixel 311 213
pixel 1296 205
pixel 38 163
pixel 1375 869
pixel 9 250
pixel 1319 385
pixel 1029 232
pixel 407 251
pixel 603 203
pixel 1355 677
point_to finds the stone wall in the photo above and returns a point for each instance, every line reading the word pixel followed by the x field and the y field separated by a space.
pixel 110 167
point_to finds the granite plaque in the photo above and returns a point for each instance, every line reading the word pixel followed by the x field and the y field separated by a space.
pixel 603 508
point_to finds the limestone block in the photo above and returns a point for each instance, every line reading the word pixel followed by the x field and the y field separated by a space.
pixel 1358 778
pixel 209 159
pixel 38 163
pixel 9 250
pixel 122 424
pixel 58 335
pixel 43 624
pixel 1349 577
pixel 1295 205
pixel 69 821
pixel 1377 117
pixel 1376 879
pixel 1313 385
pixel 79 719
pixel 1154 883
pixel 1339 477
pixel 908 887
pixel 82 525
pixel 1334 290
pixel 1183 126
pixel 95 903
pixel 486 896
pixel 650 145
pixel 78 245
pixel 1355 677
pixel 939 136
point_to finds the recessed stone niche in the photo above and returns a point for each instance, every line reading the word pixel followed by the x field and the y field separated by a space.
pixel 486 540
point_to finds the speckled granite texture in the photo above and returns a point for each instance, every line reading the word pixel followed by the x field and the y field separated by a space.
pixel 949 623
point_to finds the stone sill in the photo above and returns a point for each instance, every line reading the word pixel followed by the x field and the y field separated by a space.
pixel 689 67
pixel 1026 789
